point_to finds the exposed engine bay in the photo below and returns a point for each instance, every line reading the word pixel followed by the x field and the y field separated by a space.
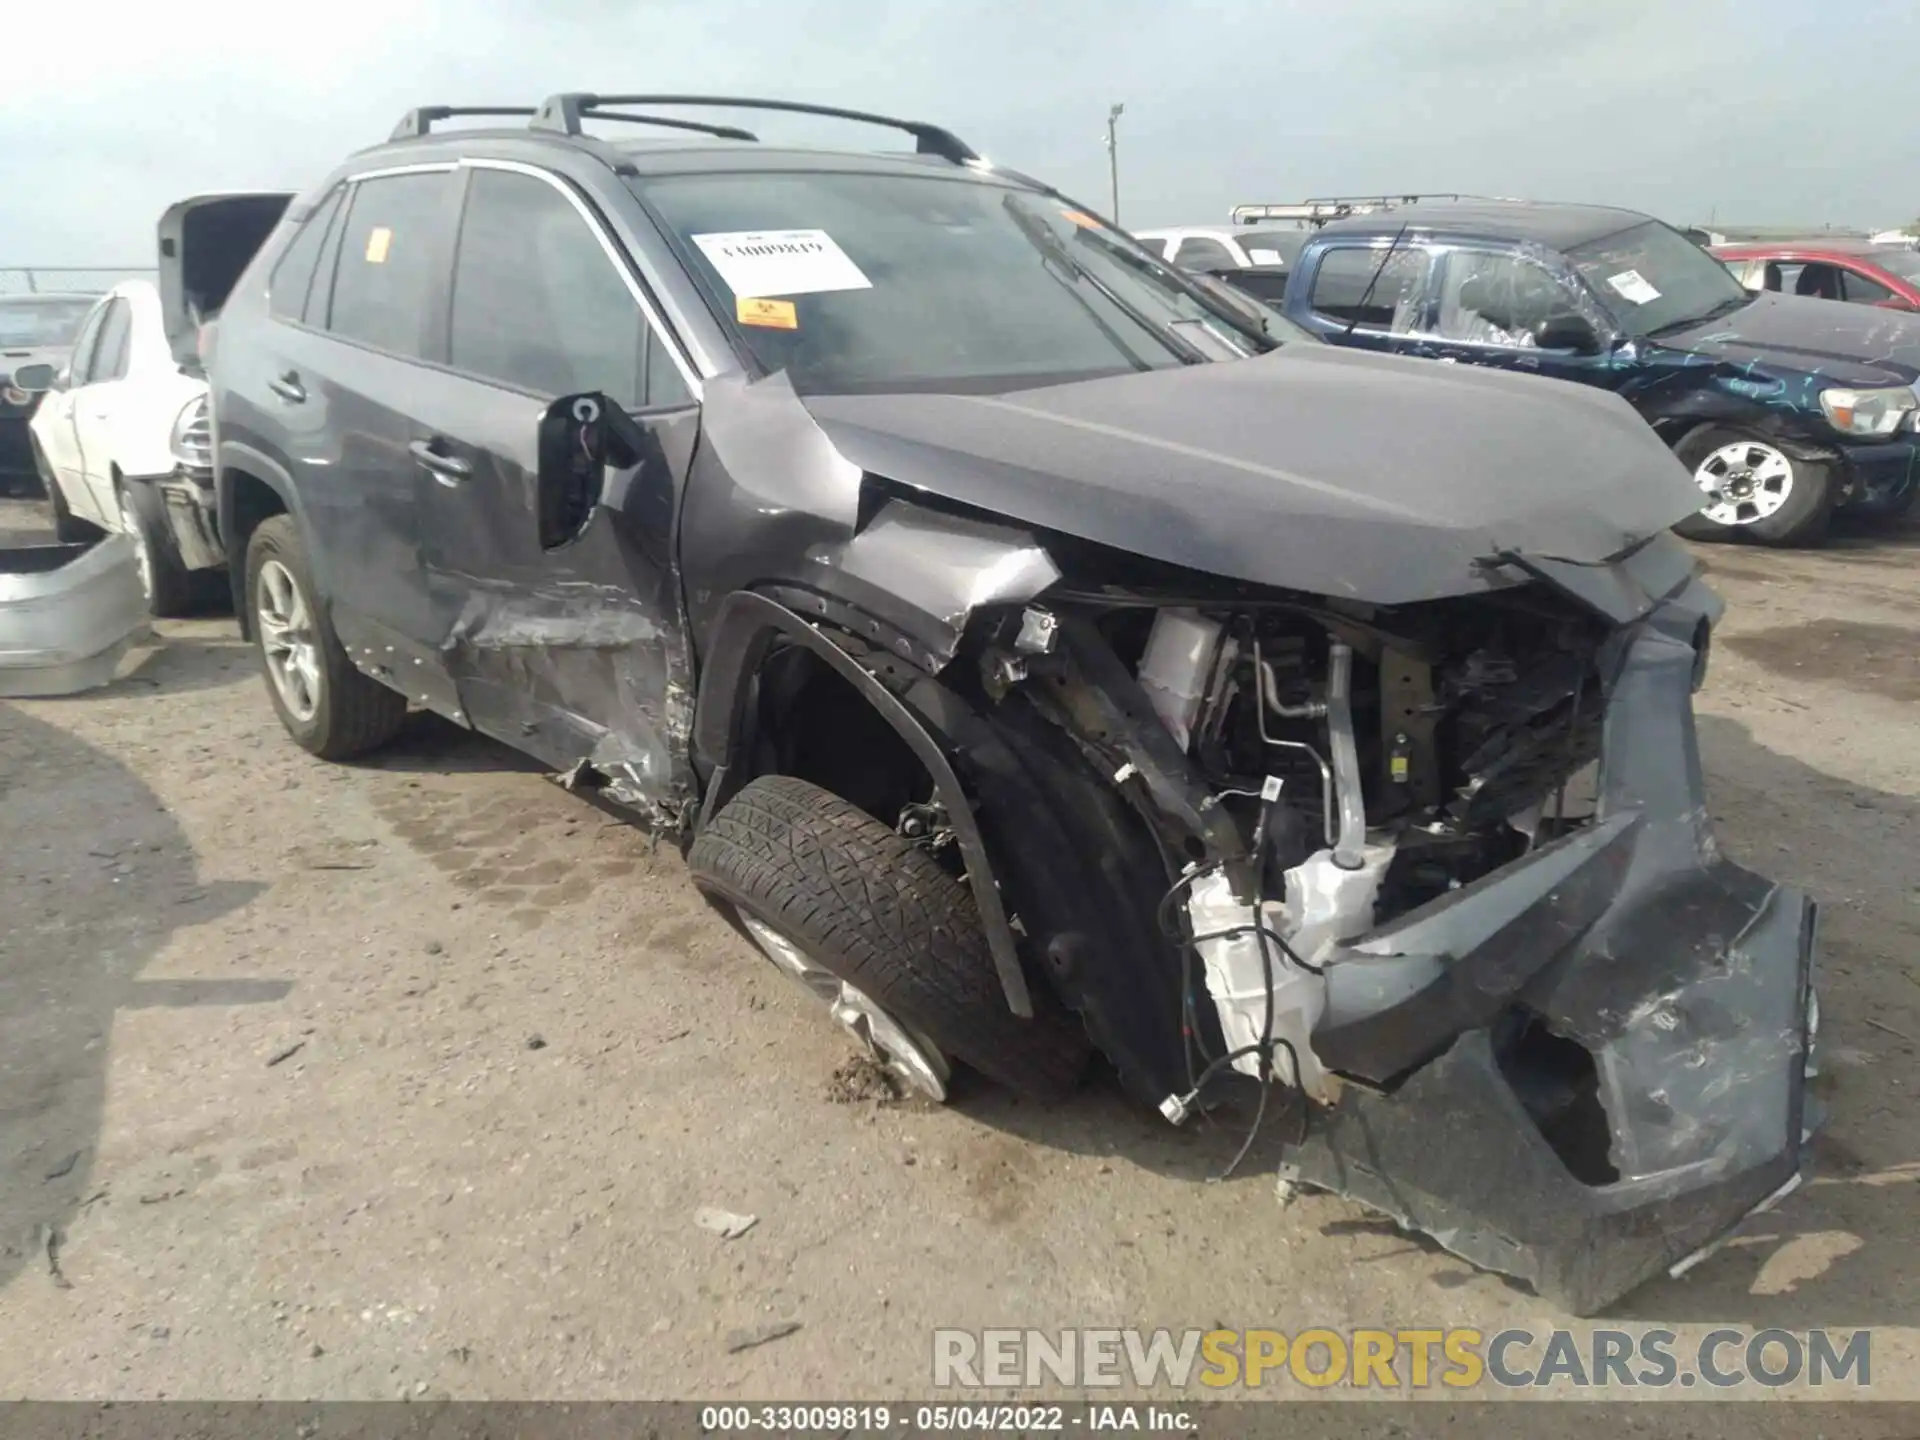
pixel 1373 760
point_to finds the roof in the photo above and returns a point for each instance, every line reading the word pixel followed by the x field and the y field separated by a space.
pixel 52 297
pixel 1543 222
pixel 1818 245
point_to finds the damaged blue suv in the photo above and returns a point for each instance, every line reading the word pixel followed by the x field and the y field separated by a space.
pixel 1032 650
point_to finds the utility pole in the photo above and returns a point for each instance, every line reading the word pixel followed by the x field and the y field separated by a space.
pixel 1113 156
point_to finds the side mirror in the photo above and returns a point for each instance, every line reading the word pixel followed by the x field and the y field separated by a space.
pixel 35 379
pixel 1568 332
pixel 580 436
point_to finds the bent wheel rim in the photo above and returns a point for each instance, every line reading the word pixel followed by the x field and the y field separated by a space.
pixel 284 621
pixel 1744 482
pixel 914 1059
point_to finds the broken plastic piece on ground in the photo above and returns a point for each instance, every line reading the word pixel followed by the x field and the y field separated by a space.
pixel 68 614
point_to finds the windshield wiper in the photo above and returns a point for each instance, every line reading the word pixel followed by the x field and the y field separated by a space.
pixel 1725 307
pixel 1053 248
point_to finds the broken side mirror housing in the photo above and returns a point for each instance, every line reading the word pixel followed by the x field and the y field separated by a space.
pixel 35 379
pixel 1568 332
pixel 580 436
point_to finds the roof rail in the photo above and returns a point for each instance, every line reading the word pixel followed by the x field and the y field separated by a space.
pixel 416 123
pixel 725 132
pixel 1318 210
pixel 563 113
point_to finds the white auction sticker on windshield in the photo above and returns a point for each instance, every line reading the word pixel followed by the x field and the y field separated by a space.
pixel 781 262
pixel 1634 286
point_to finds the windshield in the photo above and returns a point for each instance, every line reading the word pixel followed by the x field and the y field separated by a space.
pixel 1653 278
pixel 875 282
pixel 1273 247
pixel 40 324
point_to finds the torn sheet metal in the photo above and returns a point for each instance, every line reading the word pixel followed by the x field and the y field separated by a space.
pixel 68 613
pixel 1591 1063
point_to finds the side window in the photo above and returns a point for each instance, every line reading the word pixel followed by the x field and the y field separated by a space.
pixel 1822 282
pixel 292 277
pixel 1198 252
pixel 385 279
pixel 1857 289
pixel 665 384
pixel 538 304
pixel 80 368
pixel 1392 302
pixel 1783 275
pixel 116 336
pixel 1494 299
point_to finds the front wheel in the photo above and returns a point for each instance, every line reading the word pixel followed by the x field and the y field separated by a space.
pixel 1754 490
pixel 327 706
pixel 872 925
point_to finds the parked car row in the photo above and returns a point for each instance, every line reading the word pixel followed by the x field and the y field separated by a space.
pixel 1035 649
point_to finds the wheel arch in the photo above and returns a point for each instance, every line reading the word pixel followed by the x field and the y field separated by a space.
pixel 249 487
pixel 745 633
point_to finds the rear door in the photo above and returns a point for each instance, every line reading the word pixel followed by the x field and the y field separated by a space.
pixel 562 622
pixel 94 404
pixel 343 387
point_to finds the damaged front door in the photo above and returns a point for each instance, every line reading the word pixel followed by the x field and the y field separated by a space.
pixel 553 582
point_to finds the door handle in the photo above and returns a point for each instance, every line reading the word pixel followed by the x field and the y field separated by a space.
pixel 447 469
pixel 288 387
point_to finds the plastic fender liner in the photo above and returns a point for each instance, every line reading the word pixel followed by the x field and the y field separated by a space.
pixel 746 629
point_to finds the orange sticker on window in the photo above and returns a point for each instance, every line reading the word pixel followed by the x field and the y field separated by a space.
pixel 774 314
pixel 378 239
pixel 1082 219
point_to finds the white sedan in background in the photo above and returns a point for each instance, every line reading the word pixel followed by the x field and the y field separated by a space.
pixel 122 442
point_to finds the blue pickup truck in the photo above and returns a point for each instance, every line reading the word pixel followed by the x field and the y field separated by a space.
pixel 1783 408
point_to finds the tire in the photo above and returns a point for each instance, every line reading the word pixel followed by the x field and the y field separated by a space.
pixel 68 528
pixel 350 714
pixel 1800 514
pixel 881 914
pixel 169 584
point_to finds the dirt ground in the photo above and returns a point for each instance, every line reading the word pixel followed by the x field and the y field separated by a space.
pixel 406 1078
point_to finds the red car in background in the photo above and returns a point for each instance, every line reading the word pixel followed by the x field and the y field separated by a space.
pixel 1858 272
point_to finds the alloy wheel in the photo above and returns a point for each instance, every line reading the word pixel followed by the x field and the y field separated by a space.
pixel 284 620
pixel 906 1054
pixel 1744 482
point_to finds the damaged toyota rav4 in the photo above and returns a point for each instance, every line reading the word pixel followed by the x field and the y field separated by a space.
pixel 1037 651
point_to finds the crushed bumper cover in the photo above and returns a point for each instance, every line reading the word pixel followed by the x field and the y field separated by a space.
pixel 1679 982
pixel 67 615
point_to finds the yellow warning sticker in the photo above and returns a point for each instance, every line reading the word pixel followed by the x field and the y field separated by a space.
pixel 1082 219
pixel 378 240
pixel 775 314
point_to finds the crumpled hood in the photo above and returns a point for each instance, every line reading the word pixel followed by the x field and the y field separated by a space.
pixel 1333 471
pixel 1795 335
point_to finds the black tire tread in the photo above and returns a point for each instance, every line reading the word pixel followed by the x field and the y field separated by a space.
pixel 1798 525
pixel 882 914
pixel 174 590
pixel 357 713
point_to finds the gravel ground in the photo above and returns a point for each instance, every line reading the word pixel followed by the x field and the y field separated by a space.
pixel 408 1077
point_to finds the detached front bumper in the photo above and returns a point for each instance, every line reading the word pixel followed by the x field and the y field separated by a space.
pixel 1881 476
pixel 1589 1065
pixel 192 511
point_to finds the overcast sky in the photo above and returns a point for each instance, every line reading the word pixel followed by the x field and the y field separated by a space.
pixel 1757 111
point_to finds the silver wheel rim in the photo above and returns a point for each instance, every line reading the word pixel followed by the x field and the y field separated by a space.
pixel 130 523
pixel 285 625
pixel 1744 482
pixel 914 1059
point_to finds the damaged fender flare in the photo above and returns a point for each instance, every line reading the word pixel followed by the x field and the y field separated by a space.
pixel 744 632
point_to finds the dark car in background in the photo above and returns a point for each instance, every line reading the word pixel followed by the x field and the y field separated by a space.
pixel 1031 649
pixel 1784 409
pixel 34 330
pixel 1856 271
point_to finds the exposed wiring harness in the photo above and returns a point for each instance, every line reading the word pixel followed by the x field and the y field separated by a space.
pixel 1269 797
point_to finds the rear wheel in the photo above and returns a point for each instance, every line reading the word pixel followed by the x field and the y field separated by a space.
pixel 68 528
pixel 329 707
pixel 871 923
pixel 1754 490
pixel 168 582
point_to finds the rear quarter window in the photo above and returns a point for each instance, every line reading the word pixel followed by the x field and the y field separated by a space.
pixel 292 278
